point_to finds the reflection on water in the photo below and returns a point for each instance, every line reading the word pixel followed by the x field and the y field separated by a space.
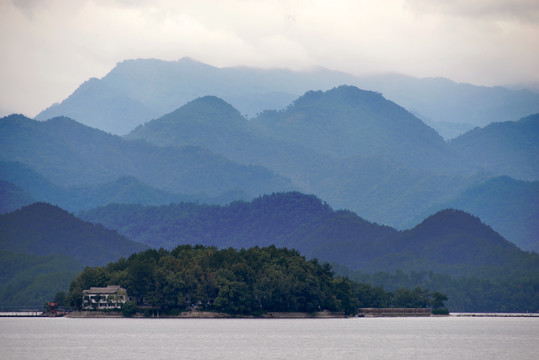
pixel 356 338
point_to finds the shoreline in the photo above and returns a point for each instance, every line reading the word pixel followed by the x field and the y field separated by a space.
pixel 269 315
pixel 530 315
pixel 211 315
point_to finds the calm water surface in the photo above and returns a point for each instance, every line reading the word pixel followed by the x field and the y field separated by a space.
pixel 356 338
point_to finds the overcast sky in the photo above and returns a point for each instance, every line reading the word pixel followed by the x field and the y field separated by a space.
pixel 50 47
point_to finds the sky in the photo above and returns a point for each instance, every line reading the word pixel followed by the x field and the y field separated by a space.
pixel 50 47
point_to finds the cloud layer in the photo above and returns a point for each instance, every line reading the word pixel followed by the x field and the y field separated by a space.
pixel 52 46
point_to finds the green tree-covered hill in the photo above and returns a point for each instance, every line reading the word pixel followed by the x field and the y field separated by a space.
pixel 239 282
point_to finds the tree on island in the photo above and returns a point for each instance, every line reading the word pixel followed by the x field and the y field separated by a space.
pixel 238 282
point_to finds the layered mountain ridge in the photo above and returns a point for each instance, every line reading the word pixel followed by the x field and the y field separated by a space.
pixel 136 91
pixel 450 241
pixel 353 148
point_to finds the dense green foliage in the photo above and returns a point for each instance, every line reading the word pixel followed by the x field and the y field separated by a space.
pixel 510 291
pixel 231 281
pixel 251 281
pixel 43 229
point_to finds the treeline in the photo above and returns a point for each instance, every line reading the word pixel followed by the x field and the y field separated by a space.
pixel 241 282
pixel 510 292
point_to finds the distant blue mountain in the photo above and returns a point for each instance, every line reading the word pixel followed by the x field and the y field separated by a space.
pixel 510 206
pixel 136 91
pixel 506 148
pixel 69 153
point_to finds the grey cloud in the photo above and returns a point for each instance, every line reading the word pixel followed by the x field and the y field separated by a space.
pixel 521 10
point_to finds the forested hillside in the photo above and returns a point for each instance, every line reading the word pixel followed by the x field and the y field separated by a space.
pixel 450 241
pixel 43 229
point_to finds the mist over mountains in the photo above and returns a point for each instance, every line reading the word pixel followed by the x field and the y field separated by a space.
pixel 506 148
pixel 136 91
pixel 68 153
pixel 351 147
pixel 226 157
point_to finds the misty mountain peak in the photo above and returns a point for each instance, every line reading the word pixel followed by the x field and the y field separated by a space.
pixel 344 94
pixel 210 104
pixel 201 116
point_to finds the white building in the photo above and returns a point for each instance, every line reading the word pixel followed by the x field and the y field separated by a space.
pixel 104 298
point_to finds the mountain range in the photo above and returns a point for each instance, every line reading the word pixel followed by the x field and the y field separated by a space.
pixel 68 154
pixel 32 187
pixel 205 150
pixel 253 143
pixel 450 241
pixel 136 91
pixel 505 148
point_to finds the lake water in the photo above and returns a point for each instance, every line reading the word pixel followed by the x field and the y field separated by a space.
pixel 355 338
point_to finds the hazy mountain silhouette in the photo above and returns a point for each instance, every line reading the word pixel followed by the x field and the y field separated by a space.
pixel 508 148
pixel 453 108
pixel 352 174
pixel 347 122
pixel 13 197
pixel 136 91
pixel 31 187
pixel 69 153
pixel 35 185
pixel 510 206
